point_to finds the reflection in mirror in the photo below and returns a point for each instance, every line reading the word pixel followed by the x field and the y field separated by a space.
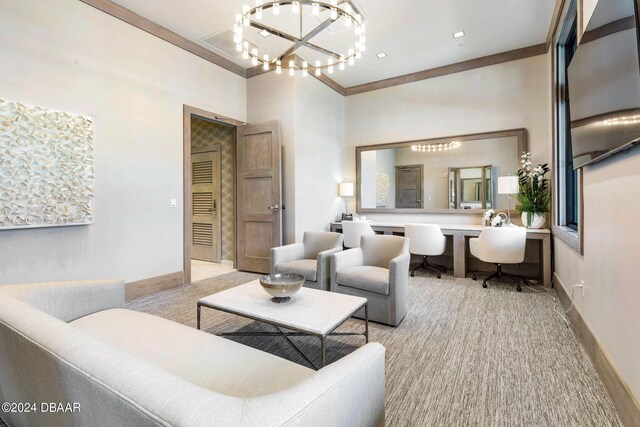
pixel 437 174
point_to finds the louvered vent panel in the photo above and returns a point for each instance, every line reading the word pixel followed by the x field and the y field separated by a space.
pixel 202 203
pixel 203 234
pixel 202 172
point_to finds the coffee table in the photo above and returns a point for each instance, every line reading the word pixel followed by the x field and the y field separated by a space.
pixel 310 312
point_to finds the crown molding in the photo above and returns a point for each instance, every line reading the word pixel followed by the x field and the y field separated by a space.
pixel 132 18
pixel 485 61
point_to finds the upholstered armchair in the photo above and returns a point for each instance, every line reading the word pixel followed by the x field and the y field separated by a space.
pixel 379 271
pixel 309 258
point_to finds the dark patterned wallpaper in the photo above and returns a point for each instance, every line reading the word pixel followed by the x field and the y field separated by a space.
pixel 204 134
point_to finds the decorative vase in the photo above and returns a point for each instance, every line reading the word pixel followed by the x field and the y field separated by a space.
pixel 533 220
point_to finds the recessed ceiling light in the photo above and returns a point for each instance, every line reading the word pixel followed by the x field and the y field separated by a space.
pixel 381 55
pixel 458 34
pixel 264 33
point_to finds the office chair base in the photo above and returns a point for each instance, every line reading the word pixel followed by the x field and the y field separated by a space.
pixel 438 269
pixel 519 281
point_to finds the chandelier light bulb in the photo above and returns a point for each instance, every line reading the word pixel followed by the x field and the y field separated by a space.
pixel 347 21
pixel 245 50
pixel 295 7
pixel 348 9
pixel 356 30
pixel 292 70
pixel 330 68
pixel 318 70
pixel 305 71
pixel 315 9
pixel 276 9
pixel 341 65
pixel 278 67
pixel 334 13
pixel 259 14
pixel 363 38
pixel 265 62
pixel 254 56
pixel 363 29
pixel 239 47
pixel 239 19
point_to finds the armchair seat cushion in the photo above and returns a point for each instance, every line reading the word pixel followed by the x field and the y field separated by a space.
pixel 366 278
pixel 306 267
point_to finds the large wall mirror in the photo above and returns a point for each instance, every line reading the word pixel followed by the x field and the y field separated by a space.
pixel 456 174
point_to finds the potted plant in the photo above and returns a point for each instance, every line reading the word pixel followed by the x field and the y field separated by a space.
pixel 533 198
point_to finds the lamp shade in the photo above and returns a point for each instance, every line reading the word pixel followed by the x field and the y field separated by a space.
pixel 508 185
pixel 346 189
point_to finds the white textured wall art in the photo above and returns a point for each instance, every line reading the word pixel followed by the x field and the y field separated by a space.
pixel 46 167
pixel 382 190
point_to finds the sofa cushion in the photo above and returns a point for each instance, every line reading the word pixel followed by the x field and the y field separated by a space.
pixel 206 360
pixel 306 267
pixel 367 278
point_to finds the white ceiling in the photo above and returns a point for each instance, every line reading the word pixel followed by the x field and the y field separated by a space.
pixel 415 34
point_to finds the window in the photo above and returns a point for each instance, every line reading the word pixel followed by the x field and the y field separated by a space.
pixel 566 177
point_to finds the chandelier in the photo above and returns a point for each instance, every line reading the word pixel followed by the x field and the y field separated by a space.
pixel 251 17
pixel 429 148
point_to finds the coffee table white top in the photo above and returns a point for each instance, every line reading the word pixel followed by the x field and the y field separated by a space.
pixel 309 310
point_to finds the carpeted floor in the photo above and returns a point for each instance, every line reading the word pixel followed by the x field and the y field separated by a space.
pixel 463 356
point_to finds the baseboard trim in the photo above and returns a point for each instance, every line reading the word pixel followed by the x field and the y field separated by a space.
pixel 620 394
pixel 153 284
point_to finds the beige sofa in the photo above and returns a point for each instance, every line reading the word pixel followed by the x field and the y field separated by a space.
pixel 74 342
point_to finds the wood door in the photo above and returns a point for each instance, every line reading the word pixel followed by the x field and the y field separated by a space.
pixel 409 186
pixel 259 217
pixel 206 240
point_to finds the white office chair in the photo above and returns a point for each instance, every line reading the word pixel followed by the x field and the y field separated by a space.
pixel 353 231
pixel 500 245
pixel 426 240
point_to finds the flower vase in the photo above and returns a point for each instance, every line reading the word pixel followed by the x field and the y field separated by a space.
pixel 533 220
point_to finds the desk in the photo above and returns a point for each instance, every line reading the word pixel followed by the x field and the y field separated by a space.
pixel 461 233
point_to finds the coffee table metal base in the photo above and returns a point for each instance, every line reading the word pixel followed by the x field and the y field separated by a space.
pixel 297 333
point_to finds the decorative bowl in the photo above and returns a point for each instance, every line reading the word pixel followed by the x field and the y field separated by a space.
pixel 282 286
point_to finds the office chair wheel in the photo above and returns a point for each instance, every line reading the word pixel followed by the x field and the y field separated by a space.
pixel 438 275
pixel 484 285
pixel 519 288
pixel 412 274
pixel 474 277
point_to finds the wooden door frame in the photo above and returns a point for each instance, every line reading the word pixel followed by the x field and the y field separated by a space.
pixel 187 113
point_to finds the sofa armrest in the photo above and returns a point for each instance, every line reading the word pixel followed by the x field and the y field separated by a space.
pixel 286 253
pixel 348 392
pixel 399 285
pixel 68 301
pixel 342 260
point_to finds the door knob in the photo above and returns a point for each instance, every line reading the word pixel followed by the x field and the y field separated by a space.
pixel 274 208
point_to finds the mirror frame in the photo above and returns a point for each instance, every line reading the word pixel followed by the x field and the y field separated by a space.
pixel 520 134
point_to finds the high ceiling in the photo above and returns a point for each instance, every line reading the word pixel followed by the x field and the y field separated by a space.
pixel 415 34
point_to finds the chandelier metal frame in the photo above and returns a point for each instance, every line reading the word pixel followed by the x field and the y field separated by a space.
pixel 286 60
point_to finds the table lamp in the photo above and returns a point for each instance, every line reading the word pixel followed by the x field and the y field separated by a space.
pixel 346 190
pixel 508 185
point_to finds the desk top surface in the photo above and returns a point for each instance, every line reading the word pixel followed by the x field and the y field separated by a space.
pixel 452 227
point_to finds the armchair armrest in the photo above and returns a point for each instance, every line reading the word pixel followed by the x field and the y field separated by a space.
pixel 323 270
pixel 68 301
pixel 399 286
pixel 348 392
pixel 345 259
pixel 286 253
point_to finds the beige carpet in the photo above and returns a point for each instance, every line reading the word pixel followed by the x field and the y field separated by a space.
pixel 463 356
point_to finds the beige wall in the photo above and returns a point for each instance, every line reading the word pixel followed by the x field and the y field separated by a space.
pixel 506 96
pixel 205 135
pixel 66 55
